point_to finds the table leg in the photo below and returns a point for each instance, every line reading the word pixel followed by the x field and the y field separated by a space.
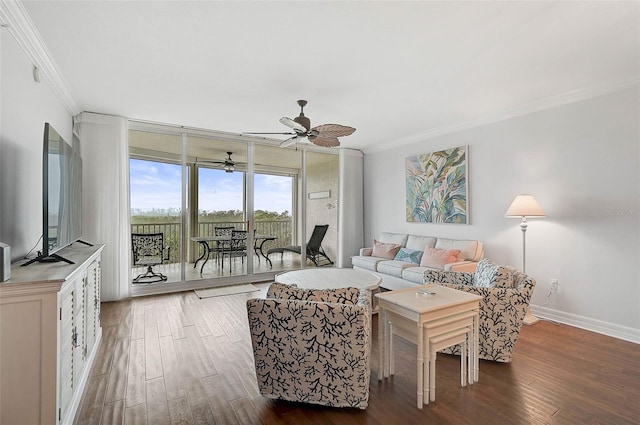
pixel 432 375
pixel 425 368
pixel 259 252
pixel 392 357
pixel 206 250
pixel 204 253
pixel 471 346
pixel 420 365
pixel 381 337
pixel 476 339
pixel 464 358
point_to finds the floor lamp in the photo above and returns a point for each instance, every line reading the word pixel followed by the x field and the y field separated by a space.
pixel 524 206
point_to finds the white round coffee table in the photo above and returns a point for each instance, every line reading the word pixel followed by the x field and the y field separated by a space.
pixel 330 278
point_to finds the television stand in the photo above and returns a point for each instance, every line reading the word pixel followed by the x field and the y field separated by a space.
pixel 53 258
pixel 50 338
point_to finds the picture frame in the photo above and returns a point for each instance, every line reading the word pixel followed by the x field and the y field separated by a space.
pixel 437 187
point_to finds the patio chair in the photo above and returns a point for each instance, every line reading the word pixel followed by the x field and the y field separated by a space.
pixel 221 246
pixel 148 250
pixel 315 253
pixel 237 245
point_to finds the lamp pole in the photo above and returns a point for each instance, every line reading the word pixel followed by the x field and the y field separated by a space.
pixel 524 206
pixel 523 226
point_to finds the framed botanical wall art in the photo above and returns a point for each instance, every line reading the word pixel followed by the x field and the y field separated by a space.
pixel 437 187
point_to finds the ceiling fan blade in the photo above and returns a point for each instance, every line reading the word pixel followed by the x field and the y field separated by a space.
pixel 290 141
pixel 208 161
pixel 325 141
pixel 299 129
pixel 333 130
pixel 282 134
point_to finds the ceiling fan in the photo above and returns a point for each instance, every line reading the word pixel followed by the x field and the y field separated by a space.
pixel 325 135
pixel 228 165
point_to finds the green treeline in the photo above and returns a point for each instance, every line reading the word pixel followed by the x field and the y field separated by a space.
pixel 173 216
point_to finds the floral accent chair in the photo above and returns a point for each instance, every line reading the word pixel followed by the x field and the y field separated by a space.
pixel 312 346
pixel 506 293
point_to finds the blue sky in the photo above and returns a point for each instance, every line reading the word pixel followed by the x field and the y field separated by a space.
pixel 157 185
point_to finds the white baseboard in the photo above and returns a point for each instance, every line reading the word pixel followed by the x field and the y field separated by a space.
pixel 610 329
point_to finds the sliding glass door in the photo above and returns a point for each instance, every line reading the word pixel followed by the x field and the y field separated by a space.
pixel 156 208
pixel 277 177
pixel 223 206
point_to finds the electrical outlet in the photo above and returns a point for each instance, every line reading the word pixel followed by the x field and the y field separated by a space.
pixel 554 284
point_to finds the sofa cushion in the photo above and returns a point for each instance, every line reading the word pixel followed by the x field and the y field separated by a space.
pixel 415 274
pixel 489 275
pixel 385 250
pixel 366 262
pixel 438 258
pixel 409 255
pixel 393 267
pixel 469 250
pixel 420 242
pixel 397 238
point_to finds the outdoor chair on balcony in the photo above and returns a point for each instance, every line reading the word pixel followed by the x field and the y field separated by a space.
pixel 315 253
pixel 223 245
pixel 237 245
pixel 149 250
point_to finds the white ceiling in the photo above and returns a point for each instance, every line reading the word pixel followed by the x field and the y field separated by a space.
pixel 397 71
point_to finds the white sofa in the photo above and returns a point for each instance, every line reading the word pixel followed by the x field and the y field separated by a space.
pixel 398 274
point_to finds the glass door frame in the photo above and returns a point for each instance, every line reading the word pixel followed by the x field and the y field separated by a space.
pixel 189 203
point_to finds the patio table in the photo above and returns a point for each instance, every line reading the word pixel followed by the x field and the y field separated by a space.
pixel 258 243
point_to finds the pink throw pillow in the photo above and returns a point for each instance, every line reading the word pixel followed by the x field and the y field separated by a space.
pixel 438 258
pixel 385 250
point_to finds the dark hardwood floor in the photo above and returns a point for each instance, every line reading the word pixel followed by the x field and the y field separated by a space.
pixel 176 359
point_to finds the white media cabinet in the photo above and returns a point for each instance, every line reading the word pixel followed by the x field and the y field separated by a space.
pixel 49 335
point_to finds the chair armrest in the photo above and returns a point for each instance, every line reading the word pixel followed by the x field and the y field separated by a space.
pixel 462 266
pixel 366 251
pixel 451 277
pixel 502 312
pixel 338 295
pixel 499 302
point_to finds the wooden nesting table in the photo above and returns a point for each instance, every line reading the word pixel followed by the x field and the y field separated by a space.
pixel 433 317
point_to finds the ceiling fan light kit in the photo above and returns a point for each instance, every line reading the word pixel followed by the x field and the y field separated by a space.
pixel 228 165
pixel 325 135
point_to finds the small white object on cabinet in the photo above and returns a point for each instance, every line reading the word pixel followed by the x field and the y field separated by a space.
pixel 49 333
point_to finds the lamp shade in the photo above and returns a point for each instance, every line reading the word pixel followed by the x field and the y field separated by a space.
pixel 525 206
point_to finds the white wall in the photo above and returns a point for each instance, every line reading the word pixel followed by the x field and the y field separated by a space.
pixel 582 162
pixel 323 175
pixel 351 227
pixel 24 108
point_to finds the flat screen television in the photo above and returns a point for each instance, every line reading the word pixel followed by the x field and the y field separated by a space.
pixel 61 196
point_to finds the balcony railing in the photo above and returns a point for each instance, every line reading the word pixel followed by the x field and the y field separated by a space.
pixel 281 229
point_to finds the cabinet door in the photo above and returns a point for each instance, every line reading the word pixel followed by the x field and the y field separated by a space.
pixel 79 328
pixel 90 302
pixel 98 294
pixel 66 343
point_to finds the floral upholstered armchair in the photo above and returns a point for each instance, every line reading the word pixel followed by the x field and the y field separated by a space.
pixel 312 346
pixel 505 292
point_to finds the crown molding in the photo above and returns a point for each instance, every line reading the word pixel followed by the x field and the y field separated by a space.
pixel 528 108
pixel 16 20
